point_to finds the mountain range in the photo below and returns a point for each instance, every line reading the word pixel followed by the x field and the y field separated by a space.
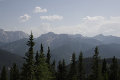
pixel 63 45
pixel 10 36
pixel 7 59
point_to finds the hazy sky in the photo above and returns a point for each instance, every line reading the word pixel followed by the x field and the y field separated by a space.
pixel 86 17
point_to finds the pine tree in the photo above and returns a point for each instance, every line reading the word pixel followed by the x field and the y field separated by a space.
pixel 53 70
pixel 42 71
pixel 81 73
pixel 14 72
pixel 104 70
pixel 114 69
pixel 36 65
pixel 37 58
pixel 59 72
pixel 96 70
pixel 72 75
pixel 28 66
pixel 119 73
pixel 4 75
pixel 48 56
pixel 64 71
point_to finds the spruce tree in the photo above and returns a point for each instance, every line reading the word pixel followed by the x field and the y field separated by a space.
pixel 81 73
pixel 119 73
pixel 64 71
pixel 4 75
pixel 42 70
pixel 96 69
pixel 28 66
pixel 36 58
pixel 48 56
pixel 53 70
pixel 114 69
pixel 72 75
pixel 14 72
pixel 104 70
pixel 36 65
pixel 59 71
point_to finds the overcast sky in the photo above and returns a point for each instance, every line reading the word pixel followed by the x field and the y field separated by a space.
pixel 86 17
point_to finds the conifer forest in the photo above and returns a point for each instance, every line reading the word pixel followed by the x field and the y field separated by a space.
pixel 39 66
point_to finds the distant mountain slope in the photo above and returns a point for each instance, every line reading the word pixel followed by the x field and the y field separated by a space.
pixel 63 45
pixel 65 51
pixel 7 59
pixel 2 43
pixel 106 50
pixel 18 47
pixel 10 36
pixel 107 39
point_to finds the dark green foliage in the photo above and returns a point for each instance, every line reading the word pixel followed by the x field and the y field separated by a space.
pixel 42 71
pixel 28 66
pixel 104 70
pixel 96 69
pixel 81 73
pixel 37 58
pixel 59 72
pixel 114 69
pixel 62 72
pixel 72 75
pixel 53 70
pixel 14 72
pixel 40 67
pixel 41 49
pixel 48 56
pixel 4 75
pixel 51 66
pixel 104 67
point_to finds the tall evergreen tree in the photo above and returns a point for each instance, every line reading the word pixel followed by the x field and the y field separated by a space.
pixel 53 70
pixel 119 73
pixel 59 71
pixel 96 70
pixel 104 70
pixel 37 58
pixel 14 72
pixel 53 64
pixel 64 71
pixel 48 56
pixel 62 75
pixel 28 66
pixel 72 75
pixel 4 75
pixel 81 73
pixel 114 69
pixel 42 70
pixel 36 65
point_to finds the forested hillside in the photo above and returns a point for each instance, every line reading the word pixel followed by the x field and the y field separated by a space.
pixel 39 66
pixel 62 45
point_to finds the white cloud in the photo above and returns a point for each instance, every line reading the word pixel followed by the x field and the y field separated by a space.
pixel 89 26
pixel 95 18
pixel 51 18
pixel 39 10
pixel 25 18
pixel 38 30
